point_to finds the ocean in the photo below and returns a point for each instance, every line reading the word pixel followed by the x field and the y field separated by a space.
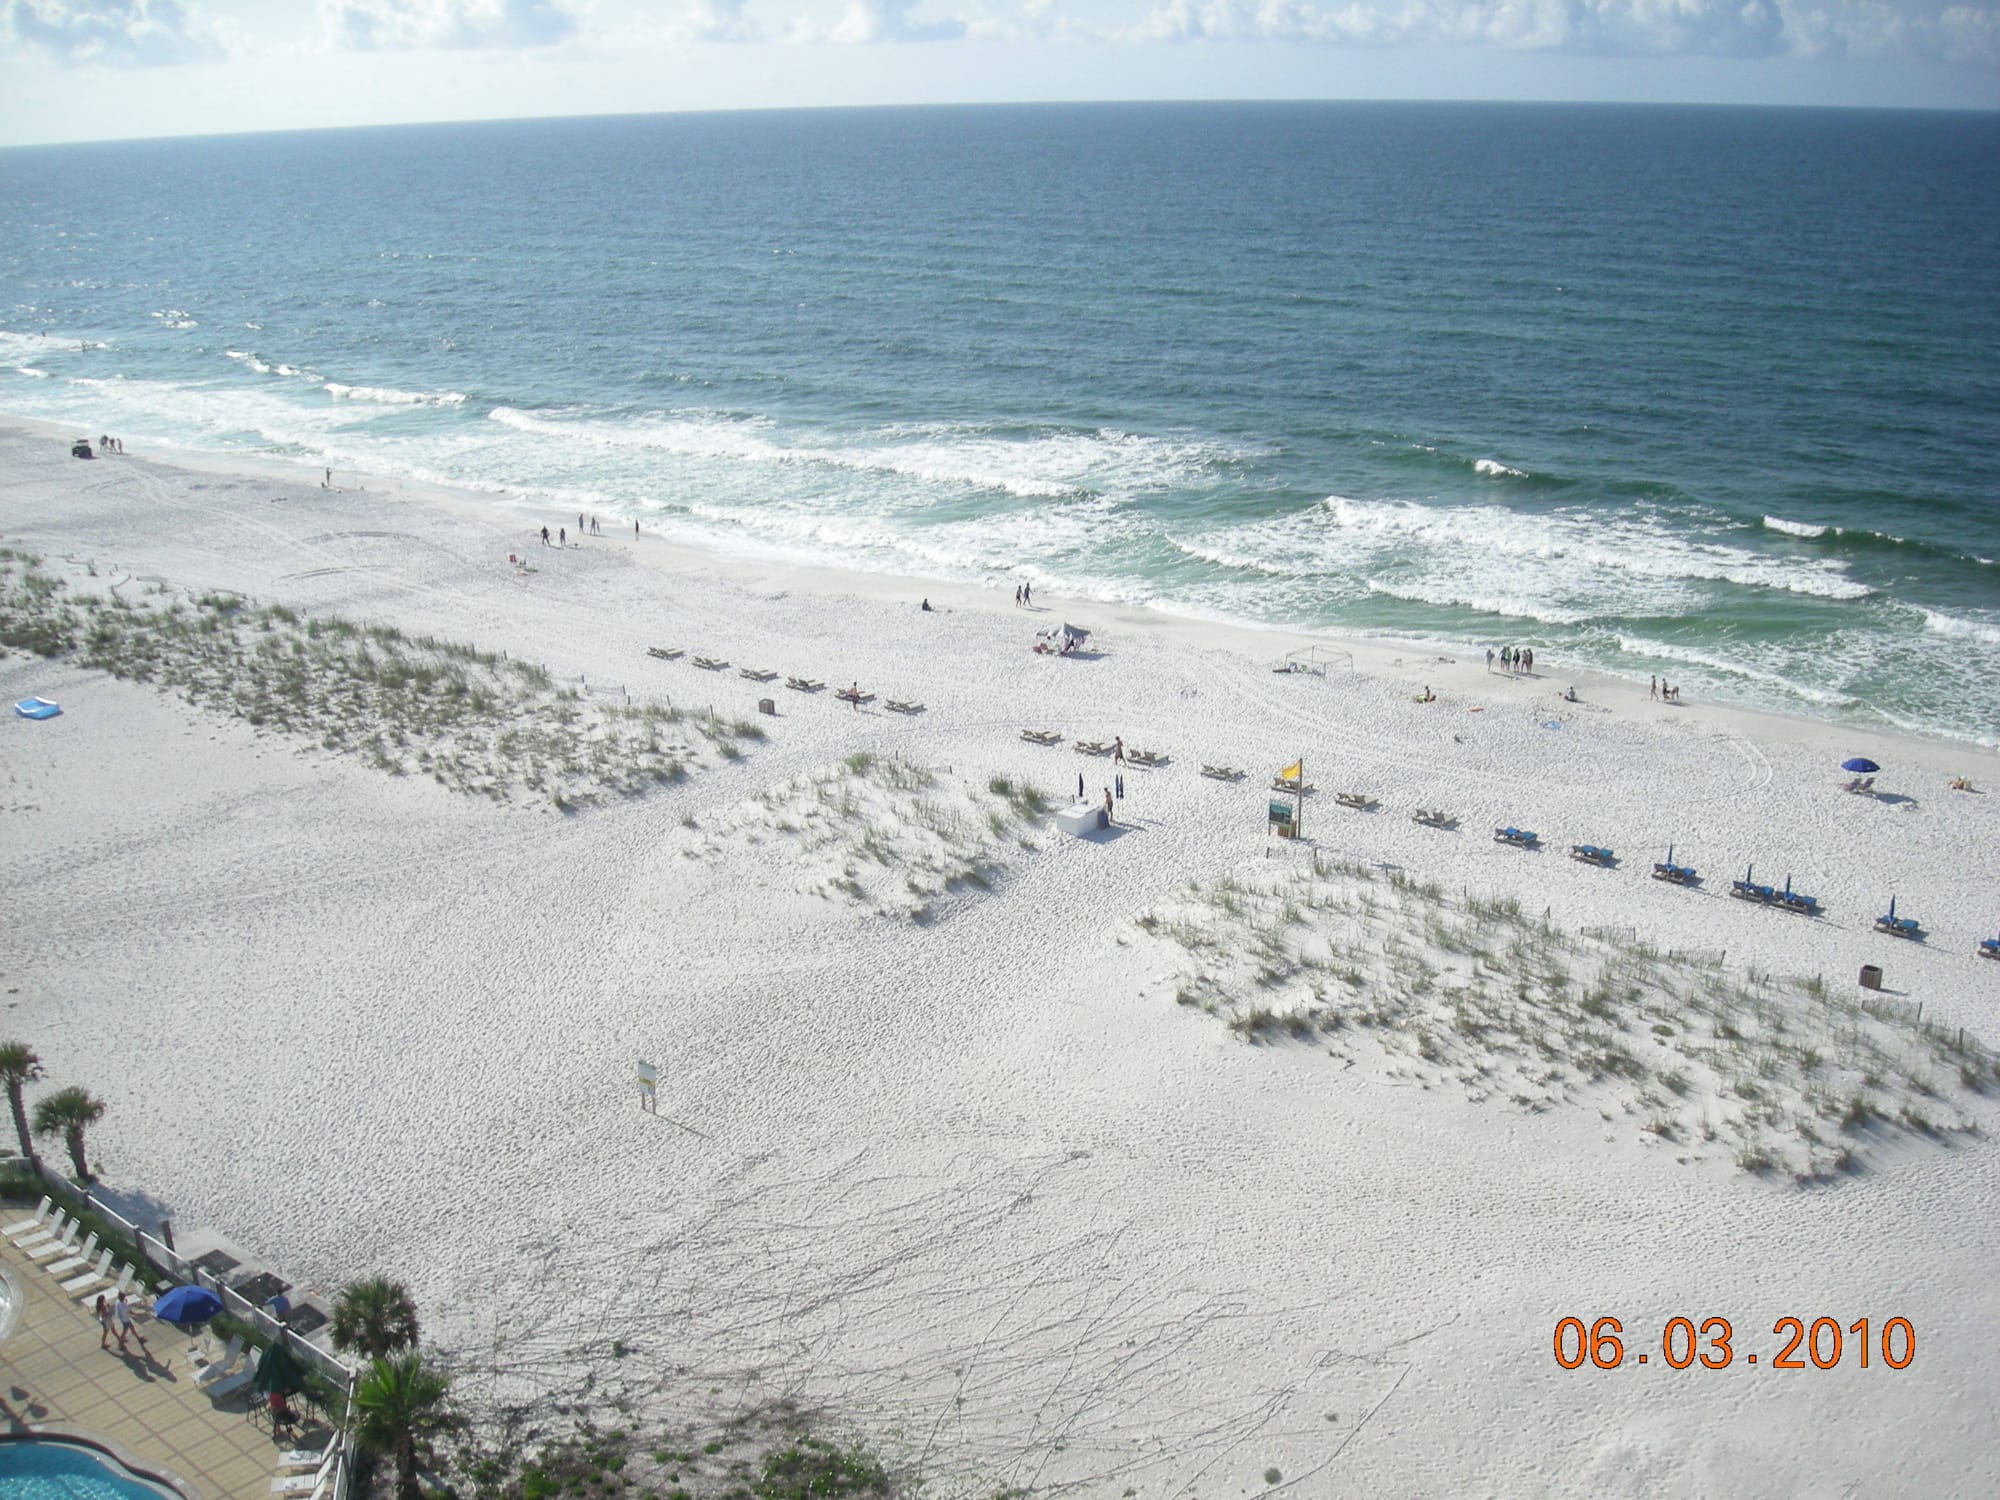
pixel 1701 392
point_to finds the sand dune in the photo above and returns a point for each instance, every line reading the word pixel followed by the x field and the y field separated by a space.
pixel 977 1183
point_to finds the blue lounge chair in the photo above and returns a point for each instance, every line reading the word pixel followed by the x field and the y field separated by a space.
pixel 1797 901
pixel 1593 854
pixel 1895 926
pixel 1747 888
pixel 1666 869
pixel 1520 838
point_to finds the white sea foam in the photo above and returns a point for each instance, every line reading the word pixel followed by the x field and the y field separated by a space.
pixel 247 360
pixel 1498 470
pixel 1939 623
pixel 1577 539
pixel 1735 667
pixel 1046 465
pixel 381 395
pixel 32 346
pixel 174 317
pixel 1458 593
pixel 1794 528
pixel 31 372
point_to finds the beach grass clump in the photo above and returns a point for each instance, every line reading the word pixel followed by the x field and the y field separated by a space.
pixel 771 1451
pixel 473 721
pixel 883 833
pixel 1783 1076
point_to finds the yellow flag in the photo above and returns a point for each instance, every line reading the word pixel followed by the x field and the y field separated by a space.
pixel 1292 772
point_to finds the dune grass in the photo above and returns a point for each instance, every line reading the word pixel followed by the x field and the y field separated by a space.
pixel 1779 1075
pixel 474 721
pixel 883 833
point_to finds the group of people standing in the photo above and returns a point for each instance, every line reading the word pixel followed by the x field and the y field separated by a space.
pixel 584 527
pixel 1664 691
pixel 1512 659
pixel 1024 594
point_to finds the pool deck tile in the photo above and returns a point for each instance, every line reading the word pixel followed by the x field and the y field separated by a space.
pixel 145 1406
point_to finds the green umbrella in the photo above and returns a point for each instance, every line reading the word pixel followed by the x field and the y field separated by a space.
pixel 278 1370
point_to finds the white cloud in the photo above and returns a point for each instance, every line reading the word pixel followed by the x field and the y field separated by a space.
pixel 1704 28
pixel 124 33
pixel 864 21
pixel 446 25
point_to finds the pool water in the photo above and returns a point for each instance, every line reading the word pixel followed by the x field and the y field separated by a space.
pixel 49 1469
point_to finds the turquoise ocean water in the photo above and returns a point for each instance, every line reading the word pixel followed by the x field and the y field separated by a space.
pixel 1713 393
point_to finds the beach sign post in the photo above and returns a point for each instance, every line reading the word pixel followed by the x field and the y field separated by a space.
pixel 1286 818
pixel 649 1078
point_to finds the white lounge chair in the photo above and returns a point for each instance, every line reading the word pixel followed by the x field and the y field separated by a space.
pixel 35 1223
pixel 58 1244
pixel 123 1287
pixel 218 1369
pixel 309 1484
pixel 98 1275
pixel 229 1385
pixel 49 1230
pixel 69 1265
pixel 305 1458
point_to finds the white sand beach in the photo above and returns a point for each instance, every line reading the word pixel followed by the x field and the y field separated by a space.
pixel 936 1149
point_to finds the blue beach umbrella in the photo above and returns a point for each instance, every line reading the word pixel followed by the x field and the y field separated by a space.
pixel 1860 763
pixel 187 1306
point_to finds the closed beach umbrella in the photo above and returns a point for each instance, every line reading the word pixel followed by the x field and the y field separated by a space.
pixel 1860 763
pixel 187 1306
pixel 278 1371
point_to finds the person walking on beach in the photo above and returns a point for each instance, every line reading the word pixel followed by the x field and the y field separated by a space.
pixel 635 531
pixel 1079 786
pixel 1028 594
pixel 545 536
pixel 1653 687
pixel 562 537
pixel 579 523
pixel 327 482
pixel 854 695
pixel 103 1322
pixel 1489 658
pixel 1107 807
pixel 121 1312
pixel 1118 750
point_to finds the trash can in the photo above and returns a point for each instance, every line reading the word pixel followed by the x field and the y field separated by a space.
pixel 1871 976
pixel 767 706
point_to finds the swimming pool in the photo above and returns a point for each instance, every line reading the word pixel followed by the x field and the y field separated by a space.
pixel 36 1468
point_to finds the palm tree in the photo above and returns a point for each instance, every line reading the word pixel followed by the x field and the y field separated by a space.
pixel 402 1404
pixel 65 1113
pixel 375 1317
pixel 19 1067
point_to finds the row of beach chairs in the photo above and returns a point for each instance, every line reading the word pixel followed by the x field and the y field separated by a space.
pixel 796 684
pixel 49 1237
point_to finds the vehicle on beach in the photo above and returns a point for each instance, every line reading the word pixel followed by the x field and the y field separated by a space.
pixel 81 449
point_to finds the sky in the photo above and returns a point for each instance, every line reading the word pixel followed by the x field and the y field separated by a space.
pixel 119 69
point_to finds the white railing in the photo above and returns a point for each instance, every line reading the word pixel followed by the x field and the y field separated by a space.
pixel 162 1256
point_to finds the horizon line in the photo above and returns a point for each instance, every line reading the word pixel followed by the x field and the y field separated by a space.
pixel 1194 101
